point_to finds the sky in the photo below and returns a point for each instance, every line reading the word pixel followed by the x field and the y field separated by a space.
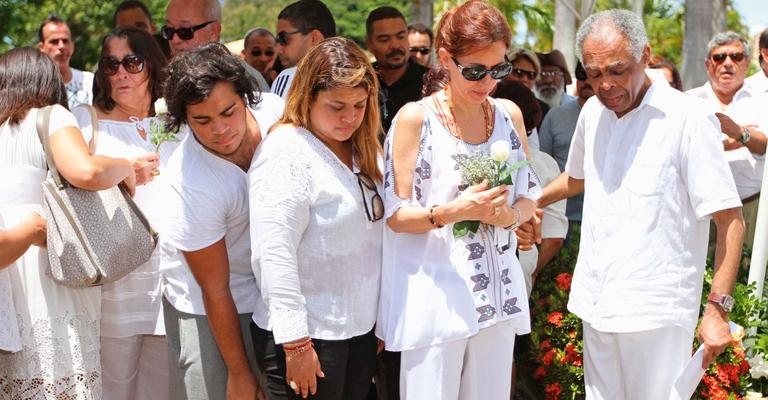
pixel 755 12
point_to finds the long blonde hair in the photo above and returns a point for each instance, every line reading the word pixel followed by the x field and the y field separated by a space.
pixel 338 63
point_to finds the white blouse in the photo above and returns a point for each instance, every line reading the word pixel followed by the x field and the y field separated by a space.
pixel 132 305
pixel 316 256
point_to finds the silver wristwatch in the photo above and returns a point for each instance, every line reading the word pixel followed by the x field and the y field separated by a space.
pixel 745 136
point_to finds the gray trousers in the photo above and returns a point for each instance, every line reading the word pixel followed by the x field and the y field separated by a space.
pixel 196 369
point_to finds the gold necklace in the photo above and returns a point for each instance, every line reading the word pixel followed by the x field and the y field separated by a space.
pixel 453 127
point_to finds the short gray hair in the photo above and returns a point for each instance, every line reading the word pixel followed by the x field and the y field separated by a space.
pixel 625 22
pixel 728 37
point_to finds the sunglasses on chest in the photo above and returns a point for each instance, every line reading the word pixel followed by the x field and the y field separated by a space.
pixel 479 72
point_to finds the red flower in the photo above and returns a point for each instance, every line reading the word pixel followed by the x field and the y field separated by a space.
pixel 545 345
pixel 555 318
pixel 563 281
pixel 552 391
pixel 540 373
pixel 547 358
pixel 572 356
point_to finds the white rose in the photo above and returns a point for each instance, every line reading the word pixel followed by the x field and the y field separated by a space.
pixel 759 366
pixel 160 106
pixel 500 151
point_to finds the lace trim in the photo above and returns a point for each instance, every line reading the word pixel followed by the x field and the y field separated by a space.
pixel 59 360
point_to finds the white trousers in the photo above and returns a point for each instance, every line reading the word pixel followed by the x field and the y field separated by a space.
pixel 135 368
pixel 477 368
pixel 634 366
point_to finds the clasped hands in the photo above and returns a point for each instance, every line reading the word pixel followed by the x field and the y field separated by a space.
pixel 489 206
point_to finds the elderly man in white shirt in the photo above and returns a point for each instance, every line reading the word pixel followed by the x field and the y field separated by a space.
pixel 653 173
pixel 739 108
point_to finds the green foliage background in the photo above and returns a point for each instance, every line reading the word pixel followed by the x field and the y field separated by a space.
pixel 531 20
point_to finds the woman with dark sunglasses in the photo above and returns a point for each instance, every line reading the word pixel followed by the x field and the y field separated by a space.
pixel 453 305
pixel 316 223
pixel 133 345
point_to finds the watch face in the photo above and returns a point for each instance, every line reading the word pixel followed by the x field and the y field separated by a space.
pixel 727 303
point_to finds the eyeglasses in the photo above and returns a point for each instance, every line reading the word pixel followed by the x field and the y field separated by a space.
pixel 377 204
pixel 132 63
pixel 551 74
pixel 258 52
pixel 720 57
pixel 478 72
pixel 520 73
pixel 184 33
pixel 282 37
pixel 423 50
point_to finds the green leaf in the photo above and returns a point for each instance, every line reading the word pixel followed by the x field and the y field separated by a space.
pixel 463 228
pixel 505 178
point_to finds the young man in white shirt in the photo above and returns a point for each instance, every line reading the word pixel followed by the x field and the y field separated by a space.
pixel 300 26
pixel 55 40
pixel 653 171
pixel 209 289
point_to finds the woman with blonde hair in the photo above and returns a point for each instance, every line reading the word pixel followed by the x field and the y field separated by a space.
pixel 316 229
pixel 452 303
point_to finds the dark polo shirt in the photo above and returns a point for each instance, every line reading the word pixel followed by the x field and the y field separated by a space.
pixel 404 90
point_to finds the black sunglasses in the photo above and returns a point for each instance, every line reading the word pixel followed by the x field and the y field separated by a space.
pixel 423 50
pixel 282 37
pixel 132 63
pixel 520 73
pixel 478 72
pixel 720 57
pixel 184 33
pixel 376 210
pixel 258 52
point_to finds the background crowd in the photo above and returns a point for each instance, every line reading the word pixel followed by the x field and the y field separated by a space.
pixel 308 202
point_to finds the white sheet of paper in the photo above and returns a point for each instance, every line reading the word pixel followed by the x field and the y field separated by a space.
pixel 689 378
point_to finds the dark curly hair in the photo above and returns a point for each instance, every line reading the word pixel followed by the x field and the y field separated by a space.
pixel 193 74
pixel 141 44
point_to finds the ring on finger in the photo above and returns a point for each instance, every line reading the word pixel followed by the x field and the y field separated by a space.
pixel 496 211
pixel 293 385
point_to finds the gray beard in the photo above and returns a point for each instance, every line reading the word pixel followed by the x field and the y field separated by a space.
pixel 550 95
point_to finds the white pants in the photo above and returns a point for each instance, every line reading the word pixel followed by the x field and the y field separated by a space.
pixel 634 366
pixel 477 368
pixel 135 367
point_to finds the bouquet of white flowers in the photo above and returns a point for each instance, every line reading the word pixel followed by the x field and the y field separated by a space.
pixel 477 168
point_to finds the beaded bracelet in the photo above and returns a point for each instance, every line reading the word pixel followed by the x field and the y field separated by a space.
pixel 433 218
pixel 293 352
pixel 296 346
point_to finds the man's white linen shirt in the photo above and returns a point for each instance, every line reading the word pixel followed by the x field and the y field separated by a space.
pixel 651 180
pixel 758 81
pixel 316 256
pixel 746 108
pixel 208 199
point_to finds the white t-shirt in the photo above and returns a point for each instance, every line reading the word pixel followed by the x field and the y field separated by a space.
pixel 131 305
pixel 208 199
pixel 746 108
pixel 554 223
pixel 758 81
pixel 316 255
pixel 651 180
pixel 283 82
pixel 79 88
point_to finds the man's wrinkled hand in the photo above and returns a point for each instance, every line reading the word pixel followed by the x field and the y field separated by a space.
pixel 529 233
pixel 714 333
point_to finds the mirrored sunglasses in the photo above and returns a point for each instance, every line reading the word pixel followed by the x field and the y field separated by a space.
pixel 524 73
pixel 184 33
pixel 132 63
pixel 478 72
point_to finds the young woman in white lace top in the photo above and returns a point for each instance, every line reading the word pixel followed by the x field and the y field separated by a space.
pixel 452 304
pixel 316 229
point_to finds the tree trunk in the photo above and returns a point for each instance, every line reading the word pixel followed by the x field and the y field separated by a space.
pixel 422 11
pixel 565 30
pixel 703 19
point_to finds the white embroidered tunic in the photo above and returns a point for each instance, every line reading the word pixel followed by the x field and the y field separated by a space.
pixel 437 288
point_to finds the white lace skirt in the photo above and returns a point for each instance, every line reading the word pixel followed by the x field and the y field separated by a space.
pixel 59 330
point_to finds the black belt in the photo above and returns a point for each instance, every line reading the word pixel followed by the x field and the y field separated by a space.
pixel 750 199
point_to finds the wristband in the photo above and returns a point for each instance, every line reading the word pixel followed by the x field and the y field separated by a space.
pixel 434 219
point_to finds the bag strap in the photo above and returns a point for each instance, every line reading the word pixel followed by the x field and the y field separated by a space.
pixel 43 126
pixel 94 127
